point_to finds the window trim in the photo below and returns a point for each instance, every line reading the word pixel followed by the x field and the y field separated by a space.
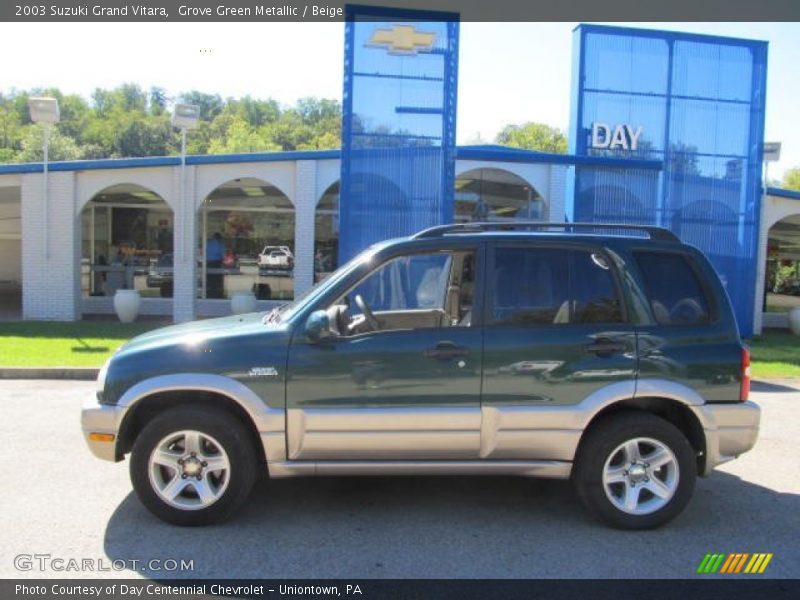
pixel 571 247
pixel 714 315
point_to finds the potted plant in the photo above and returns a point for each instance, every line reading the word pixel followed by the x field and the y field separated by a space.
pixel 794 320
pixel 126 304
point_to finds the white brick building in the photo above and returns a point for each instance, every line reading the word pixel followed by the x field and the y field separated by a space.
pixel 58 248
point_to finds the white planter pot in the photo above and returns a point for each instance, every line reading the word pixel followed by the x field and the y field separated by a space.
pixel 794 320
pixel 126 305
pixel 243 302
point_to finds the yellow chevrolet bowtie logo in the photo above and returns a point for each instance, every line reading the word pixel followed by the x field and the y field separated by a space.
pixel 402 39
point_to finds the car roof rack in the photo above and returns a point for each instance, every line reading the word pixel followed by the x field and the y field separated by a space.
pixel 656 233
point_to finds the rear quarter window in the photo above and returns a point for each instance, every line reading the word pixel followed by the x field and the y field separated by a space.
pixel 674 290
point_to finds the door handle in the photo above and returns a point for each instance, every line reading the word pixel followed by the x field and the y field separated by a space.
pixel 605 347
pixel 446 351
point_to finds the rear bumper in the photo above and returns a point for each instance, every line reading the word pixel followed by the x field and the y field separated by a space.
pixel 99 418
pixel 730 430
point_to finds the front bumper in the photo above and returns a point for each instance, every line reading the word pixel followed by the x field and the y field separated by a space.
pixel 103 419
pixel 730 430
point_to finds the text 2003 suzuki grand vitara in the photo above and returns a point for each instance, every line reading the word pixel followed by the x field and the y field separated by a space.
pixel 542 350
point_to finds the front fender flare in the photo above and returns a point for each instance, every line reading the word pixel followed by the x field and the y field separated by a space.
pixel 269 422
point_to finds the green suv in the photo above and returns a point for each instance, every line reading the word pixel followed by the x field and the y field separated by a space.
pixel 605 354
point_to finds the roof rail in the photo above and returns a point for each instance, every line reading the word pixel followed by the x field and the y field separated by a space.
pixel 656 233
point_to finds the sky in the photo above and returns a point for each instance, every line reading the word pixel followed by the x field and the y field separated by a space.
pixel 508 72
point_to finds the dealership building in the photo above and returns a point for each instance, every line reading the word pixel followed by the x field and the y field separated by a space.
pixel 666 129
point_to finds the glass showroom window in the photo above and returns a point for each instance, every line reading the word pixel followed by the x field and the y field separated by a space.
pixel 326 233
pixel 126 243
pixel 496 195
pixel 246 242
pixel 783 265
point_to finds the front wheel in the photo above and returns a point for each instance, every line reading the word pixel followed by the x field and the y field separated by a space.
pixel 635 471
pixel 192 466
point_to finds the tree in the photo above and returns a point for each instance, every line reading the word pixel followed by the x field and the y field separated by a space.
pixel 791 179
pixel 75 116
pixel 241 137
pixel 60 147
pixel 255 112
pixel 130 97
pixel 152 136
pixel 10 127
pixel 158 101
pixel 127 121
pixel 533 136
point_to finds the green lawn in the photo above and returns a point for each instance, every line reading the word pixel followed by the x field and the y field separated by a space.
pixel 58 344
pixel 775 355
pixel 89 343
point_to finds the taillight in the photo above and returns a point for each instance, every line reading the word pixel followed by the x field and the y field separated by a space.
pixel 745 389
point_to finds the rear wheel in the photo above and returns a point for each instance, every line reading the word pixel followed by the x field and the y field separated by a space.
pixel 635 471
pixel 193 466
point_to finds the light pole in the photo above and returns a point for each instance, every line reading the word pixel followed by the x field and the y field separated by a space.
pixel 45 111
pixel 185 117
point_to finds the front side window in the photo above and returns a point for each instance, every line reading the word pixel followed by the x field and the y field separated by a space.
pixel 673 289
pixel 552 286
pixel 411 282
pixel 409 292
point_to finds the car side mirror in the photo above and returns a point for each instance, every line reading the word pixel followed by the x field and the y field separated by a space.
pixel 318 326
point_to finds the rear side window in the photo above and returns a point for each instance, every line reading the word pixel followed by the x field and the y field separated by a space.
pixel 594 292
pixel 552 286
pixel 673 289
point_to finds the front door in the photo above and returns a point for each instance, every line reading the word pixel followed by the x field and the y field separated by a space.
pixel 555 333
pixel 401 376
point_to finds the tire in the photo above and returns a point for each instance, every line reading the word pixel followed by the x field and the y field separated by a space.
pixel 642 497
pixel 199 495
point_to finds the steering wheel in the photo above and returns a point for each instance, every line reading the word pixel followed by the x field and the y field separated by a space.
pixel 372 322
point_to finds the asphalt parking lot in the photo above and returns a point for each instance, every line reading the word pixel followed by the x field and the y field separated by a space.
pixel 59 500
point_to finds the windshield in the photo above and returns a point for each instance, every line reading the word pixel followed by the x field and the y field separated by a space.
pixel 286 311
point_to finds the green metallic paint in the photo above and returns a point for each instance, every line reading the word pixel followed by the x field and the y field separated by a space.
pixel 533 366
pixel 229 346
pixel 549 365
pixel 386 369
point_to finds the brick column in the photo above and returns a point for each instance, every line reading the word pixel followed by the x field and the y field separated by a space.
pixel 761 267
pixel 50 252
pixel 305 205
pixel 185 243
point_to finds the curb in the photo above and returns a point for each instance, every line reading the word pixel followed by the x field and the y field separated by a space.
pixel 73 373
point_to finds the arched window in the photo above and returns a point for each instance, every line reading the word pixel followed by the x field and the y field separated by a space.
pixel 496 195
pixel 126 242
pixel 326 233
pixel 783 265
pixel 246 238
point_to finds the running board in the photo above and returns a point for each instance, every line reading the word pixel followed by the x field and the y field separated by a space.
pixel 550 469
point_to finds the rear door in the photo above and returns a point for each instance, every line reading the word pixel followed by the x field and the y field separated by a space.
pixel 555 332
pixel 692 339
